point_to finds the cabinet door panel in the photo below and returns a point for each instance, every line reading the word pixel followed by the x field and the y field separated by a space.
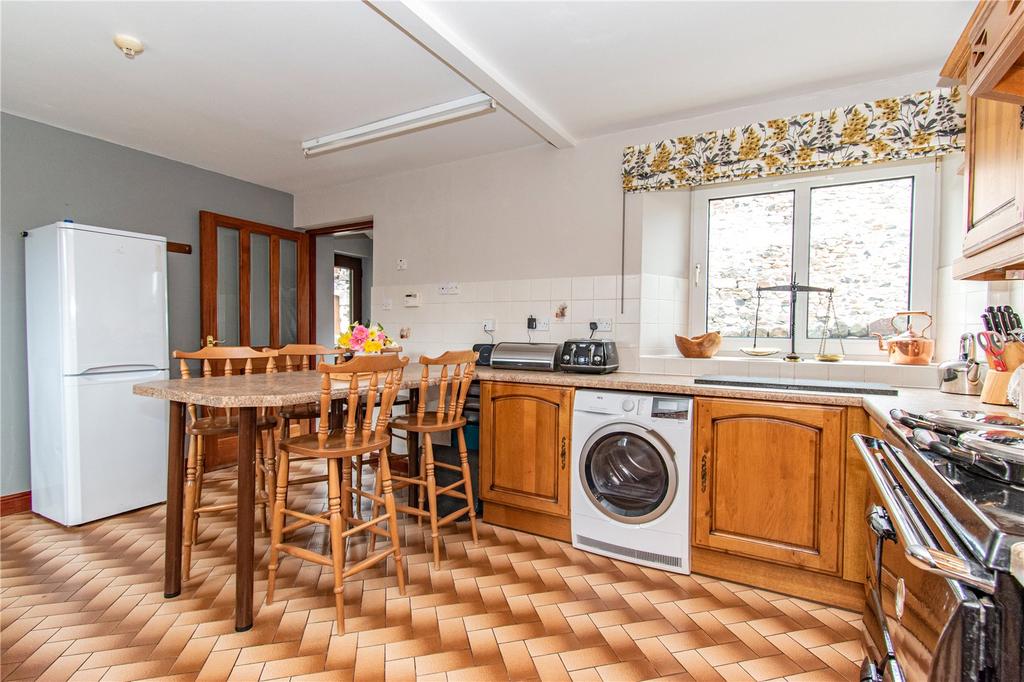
pixel 768 481
pixel 995 168
pixel 524 446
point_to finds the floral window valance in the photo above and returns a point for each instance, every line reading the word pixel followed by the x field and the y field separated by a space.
pixel 928 123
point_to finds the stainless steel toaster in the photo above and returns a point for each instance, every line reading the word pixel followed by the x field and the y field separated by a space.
pixel 536 356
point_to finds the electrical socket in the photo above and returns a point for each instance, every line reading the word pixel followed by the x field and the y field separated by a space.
pixel 604 324
pixel 489 325
pixel 543 324
pixel 402 264
pixel 449 289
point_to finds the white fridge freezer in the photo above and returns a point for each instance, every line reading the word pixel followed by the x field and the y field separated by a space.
pixel 96 313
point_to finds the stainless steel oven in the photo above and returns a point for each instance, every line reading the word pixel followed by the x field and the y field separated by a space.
pixel 934 610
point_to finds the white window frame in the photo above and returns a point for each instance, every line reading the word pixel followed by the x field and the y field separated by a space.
pixel 924 233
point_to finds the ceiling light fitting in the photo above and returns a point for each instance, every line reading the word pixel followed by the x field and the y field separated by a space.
pixel 420 119
pixel 129 45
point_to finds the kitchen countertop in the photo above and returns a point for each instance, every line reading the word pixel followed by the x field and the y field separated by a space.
pixel 878 406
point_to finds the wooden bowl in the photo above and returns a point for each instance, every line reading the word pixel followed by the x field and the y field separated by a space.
pixel 703 346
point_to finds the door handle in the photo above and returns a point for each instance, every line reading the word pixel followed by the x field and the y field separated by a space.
pixel 210 341
pixel 704 472
pixel 562 455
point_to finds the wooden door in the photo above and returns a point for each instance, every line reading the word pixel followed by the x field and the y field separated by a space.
pixel 254 283
pixel 767 481
pixel 995 173
pixel 525 446
pixel 253 291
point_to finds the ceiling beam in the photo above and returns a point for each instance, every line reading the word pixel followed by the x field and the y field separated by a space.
pixel 414 19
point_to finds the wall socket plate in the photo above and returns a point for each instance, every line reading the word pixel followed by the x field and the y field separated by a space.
pixel 402 264
pixel 543 324
pixel 449 289
pixel 489 325
pixel 604 324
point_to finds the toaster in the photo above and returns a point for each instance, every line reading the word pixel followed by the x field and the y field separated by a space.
pixel 589 356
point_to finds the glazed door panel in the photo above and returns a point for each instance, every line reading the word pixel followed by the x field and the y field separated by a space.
pixel 768 481
pixel 524 448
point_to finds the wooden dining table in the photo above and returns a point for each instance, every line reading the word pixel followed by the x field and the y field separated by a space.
pixel 247 394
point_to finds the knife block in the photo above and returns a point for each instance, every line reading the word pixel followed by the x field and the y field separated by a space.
pixel 994 390
pixel 1013 355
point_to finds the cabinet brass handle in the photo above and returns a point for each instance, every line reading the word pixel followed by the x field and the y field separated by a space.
pixel 704 473
pixel 563 453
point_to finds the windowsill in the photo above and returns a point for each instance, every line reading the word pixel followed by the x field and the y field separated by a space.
pixel 874 371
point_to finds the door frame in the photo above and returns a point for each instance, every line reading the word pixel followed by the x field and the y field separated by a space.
pixel 354 264
pixel 312 234
pixel 208 224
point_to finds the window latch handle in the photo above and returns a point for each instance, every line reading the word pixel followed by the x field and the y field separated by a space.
pixel 696 275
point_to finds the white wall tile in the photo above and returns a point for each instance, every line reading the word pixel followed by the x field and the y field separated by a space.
pixel 540 289
pixel 605 308
pixel 840 372
pixel 764 368
pixel 680 366
pixel 604 287
pixel 561 289
pixel 503 290
pixel 581 311
pixel 652 365
pixel 582 288
pixel 629 311
pixel 703 366
pixel 631 286
pixel 520 290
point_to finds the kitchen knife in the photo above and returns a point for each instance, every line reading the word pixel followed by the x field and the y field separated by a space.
pixel 1004 318
pixel 994 317
pixel 986 322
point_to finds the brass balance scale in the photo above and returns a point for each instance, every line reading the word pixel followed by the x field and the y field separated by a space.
pixel 830 317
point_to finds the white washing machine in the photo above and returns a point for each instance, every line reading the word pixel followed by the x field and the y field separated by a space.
pixel 631 477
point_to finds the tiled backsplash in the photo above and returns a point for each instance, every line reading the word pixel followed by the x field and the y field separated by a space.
pixel 961 303
pixel 444 321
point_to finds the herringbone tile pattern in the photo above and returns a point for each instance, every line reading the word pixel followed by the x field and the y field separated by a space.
pixel 87 604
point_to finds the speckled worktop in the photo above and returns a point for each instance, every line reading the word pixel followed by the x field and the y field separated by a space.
pixel 257 390
pixel 878 406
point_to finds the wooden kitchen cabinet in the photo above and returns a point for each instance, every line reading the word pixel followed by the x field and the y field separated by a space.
pixel 768 482
pixel 988 60
pixel 525 445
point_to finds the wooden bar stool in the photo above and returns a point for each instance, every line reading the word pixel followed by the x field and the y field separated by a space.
pixel 203 424
pixel 339 447
pixel 457 369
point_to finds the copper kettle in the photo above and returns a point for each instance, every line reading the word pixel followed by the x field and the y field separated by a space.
pixel 910 347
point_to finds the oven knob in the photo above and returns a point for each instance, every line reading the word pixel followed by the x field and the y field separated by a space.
pixel 566 358
pixel 628 405
pixel 597 359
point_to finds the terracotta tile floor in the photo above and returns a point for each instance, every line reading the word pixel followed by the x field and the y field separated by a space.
pixel 87 604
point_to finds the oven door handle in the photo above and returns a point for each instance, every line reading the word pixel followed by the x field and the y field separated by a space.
pixel 915 546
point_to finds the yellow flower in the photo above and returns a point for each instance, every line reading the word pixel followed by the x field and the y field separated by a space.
pixel 855 129
pixel 681 176
pixel 373 346
pixel 890 108
pixel 879 147
pixel 778 127
pixel 661 159
pixel 921 139
pixel 750 147
pixel 685 144
pixel 345 339
pixel 709 172
pixel 771 161
pixel 803 155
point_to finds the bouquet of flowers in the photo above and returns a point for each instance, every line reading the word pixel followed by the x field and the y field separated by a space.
pixel 365 338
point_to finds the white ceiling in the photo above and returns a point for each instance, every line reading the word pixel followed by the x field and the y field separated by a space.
pixel 236 86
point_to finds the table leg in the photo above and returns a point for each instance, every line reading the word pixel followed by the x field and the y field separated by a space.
pixel 245 530
pixel 175 498
pixel 413 443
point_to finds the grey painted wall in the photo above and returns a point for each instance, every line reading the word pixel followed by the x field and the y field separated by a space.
pixel 50 174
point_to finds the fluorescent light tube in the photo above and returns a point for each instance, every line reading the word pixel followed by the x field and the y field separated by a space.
pixel 420 119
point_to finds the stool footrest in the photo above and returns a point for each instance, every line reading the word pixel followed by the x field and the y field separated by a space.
pixel 452 517
pixel 450 489
pixel 446 465
pixel 307 479
pixel 305 554
pixel 311 518
pixel 214 508
pixel 369 561
pixel 365 525
pixel 406 509
pixel 408 481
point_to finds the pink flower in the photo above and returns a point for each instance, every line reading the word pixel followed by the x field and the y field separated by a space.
pixel 360 333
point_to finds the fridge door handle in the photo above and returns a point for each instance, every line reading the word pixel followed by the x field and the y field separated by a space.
pixel 107 369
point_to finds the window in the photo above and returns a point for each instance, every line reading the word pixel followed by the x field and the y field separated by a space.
pixel 865 233
pixel 348 276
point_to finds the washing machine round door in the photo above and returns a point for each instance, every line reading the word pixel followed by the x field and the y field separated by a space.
pixel 628 473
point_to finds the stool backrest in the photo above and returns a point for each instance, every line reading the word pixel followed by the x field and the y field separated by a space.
pixel 457 369
pixel 379 375
pixel 225 361
pixel 296 356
